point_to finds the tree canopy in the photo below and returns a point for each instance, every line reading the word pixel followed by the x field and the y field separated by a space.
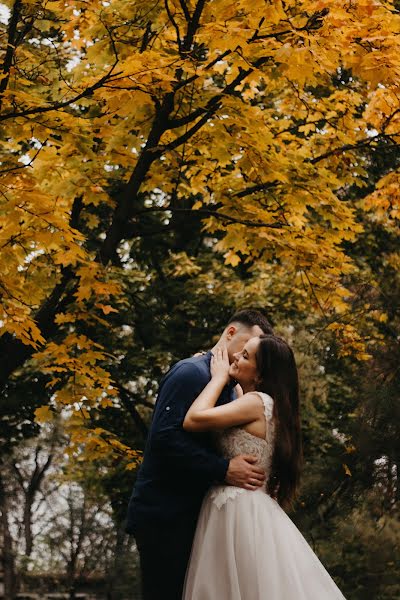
pixel 120 120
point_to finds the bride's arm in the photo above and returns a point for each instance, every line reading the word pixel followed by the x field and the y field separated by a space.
pixel 246 409
pixel 203 415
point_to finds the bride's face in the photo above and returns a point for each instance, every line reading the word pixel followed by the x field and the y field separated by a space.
pixel 244 366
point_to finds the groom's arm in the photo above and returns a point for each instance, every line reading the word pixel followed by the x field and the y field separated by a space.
pixel 173 446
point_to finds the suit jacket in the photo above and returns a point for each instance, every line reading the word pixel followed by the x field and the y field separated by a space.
pixel 178 466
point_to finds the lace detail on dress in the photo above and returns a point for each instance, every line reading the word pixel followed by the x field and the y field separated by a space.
pixel 221 493
pixel 268 406
pixel 237 440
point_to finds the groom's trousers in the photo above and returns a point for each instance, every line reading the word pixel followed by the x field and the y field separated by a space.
pixel 164 555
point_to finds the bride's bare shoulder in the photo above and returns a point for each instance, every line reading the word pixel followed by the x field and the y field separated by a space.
pixel 254 399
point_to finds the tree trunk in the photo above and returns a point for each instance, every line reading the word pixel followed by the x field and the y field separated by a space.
pixel 116 572
pixel 7 557
pixel 28 524
pixel 72 591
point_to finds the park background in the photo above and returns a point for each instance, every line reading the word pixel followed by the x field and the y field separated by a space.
pixel 162 165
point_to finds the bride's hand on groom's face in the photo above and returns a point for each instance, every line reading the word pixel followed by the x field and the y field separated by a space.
pixel 219 365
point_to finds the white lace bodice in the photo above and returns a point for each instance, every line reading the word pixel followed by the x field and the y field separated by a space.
pixel 237 440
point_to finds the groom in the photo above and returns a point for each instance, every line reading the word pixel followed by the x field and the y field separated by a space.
pixel 179 467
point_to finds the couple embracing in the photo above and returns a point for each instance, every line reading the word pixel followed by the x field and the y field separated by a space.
pixel 222 458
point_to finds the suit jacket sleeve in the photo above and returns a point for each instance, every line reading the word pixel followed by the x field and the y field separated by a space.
pixel 175 447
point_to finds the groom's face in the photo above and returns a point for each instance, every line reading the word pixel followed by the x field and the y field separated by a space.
pixel 237 336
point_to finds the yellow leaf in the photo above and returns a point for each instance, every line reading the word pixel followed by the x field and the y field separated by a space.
pixel 43 414
pixel 106 308
pixel 231 258
pixel 64 318
pixel 104 402
pixel 131 466
pixel 346 469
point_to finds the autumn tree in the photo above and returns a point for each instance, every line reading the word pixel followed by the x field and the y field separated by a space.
pixel 163 163
pixel 120 119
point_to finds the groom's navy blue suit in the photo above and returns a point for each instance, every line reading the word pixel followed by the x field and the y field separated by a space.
pixel 177 470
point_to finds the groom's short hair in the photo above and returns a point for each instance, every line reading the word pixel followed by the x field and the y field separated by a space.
pixel 251 317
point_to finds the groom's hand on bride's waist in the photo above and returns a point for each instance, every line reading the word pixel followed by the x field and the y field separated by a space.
pixel 242 472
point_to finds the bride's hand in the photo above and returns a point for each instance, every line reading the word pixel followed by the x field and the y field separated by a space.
pixel 219 365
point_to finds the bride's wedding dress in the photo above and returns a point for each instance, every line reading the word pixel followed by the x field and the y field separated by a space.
pixel 246 547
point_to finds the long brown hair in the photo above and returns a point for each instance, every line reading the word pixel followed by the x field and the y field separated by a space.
pixel 277 370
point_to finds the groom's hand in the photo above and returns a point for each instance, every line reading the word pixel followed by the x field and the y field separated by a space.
pixel 243 473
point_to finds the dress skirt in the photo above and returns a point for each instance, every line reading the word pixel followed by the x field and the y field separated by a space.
pixel 247 548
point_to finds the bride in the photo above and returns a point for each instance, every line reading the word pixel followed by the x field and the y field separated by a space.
pixel 246 547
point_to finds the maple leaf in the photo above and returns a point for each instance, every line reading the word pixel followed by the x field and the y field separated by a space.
pixel 43 414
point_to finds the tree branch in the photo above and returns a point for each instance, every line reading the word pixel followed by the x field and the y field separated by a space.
pixel 211 108
pixel 360 144
pixel 129 405
pixel 18 475
pixel 182 139
pixel 193 25
pixel 256 188
pixel 185 10
pixel 24 166
pixel 127 198
pixel 314 22
pixel 57 105
pixel 185 82
pixel 11 45
pixel 174 23
pixel 213 213
pixel 147 36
